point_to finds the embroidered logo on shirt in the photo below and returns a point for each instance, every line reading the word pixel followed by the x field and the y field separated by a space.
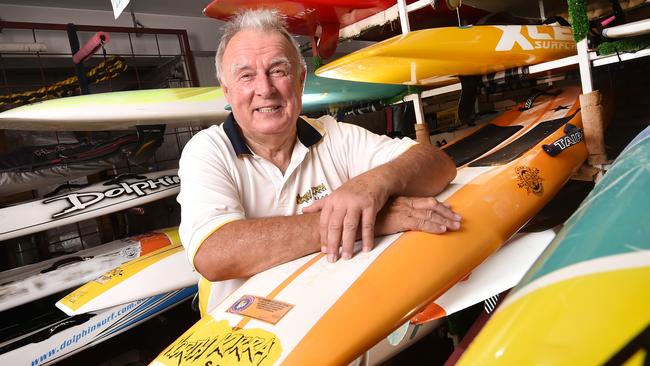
pixel 313 193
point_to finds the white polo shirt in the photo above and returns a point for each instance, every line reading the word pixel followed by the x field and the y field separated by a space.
pixel 222 180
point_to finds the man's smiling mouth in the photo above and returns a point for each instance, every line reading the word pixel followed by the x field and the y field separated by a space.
pixel 267 109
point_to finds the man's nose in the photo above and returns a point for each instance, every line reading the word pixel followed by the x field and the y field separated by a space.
pixel 264 85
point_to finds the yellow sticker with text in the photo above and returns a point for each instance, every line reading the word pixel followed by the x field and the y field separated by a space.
pixel 211 343
pixel 267 310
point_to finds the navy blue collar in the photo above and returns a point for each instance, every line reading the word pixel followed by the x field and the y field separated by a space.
pixel 307 135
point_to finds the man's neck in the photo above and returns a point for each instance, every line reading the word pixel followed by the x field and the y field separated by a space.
pixel 276 150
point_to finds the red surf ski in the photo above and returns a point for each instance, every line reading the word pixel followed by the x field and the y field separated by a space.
pixel 318 18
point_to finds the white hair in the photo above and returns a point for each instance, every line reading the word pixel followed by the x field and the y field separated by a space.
pixel 265 20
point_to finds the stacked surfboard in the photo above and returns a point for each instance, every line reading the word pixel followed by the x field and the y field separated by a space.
pixel 163 270
pixel 120 110
pixel 586 300
pixel 431 56
pixel 33 344
pixel 32 282
pixel 32 328
pixel 113 195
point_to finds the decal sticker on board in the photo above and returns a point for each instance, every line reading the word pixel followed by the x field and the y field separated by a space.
pixel 115 272
pixel 213 343
pixel 573 135
pixel 267 310
pixel 530 180
pixel 74 296
pixel 81 201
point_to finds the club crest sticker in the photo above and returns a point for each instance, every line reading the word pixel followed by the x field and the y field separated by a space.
pixel 260 308
pixel 241 305
pixel 530 180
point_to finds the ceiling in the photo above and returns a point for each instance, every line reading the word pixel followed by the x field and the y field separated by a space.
pixel 190 8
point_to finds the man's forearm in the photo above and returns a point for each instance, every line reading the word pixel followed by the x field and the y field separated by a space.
pixel 245 247
pixel 423 170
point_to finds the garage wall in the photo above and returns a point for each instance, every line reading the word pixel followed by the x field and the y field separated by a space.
pixel 202 32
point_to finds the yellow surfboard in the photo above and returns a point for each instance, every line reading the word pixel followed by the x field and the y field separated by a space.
pixel 429 56
pixel 586 301
pixel 160 271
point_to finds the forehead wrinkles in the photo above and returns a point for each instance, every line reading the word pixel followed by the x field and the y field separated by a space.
pixel 275 61
pixel 250 46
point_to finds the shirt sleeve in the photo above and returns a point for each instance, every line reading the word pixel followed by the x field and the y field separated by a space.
pixel 208 196
pixel 361 150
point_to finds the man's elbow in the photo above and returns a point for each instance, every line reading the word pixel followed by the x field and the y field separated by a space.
pixel 213 269
pixel 448 167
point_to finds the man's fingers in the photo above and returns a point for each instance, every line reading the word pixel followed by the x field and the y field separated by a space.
pixel 323 227
pixel 334 232
pixel 349 235
pixel 428 219
pixel 315 207
pixel 368 229
pixel 430 203
pixel 446 212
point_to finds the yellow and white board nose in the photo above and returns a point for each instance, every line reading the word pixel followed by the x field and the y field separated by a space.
pixel 426 57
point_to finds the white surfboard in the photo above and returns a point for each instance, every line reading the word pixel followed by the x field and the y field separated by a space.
pixel 632 29
pixel 176 107
pixel 121 110
pixel 34 281
pixel 296 312
pixel 166 269
pixel 54 342
pixel 93 201
pixel 499 272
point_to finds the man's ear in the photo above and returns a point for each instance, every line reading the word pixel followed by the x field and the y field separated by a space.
pixel 303 77
pixel 224 87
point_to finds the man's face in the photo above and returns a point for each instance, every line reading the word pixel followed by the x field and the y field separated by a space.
pixel 263 81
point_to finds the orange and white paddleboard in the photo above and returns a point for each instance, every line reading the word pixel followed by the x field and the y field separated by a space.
pixel 310 311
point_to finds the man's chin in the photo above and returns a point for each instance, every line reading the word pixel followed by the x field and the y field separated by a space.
pixel 272 124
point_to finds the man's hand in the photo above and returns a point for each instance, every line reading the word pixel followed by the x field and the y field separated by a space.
pixel 416 213
pixel 399 214
pixel 350 208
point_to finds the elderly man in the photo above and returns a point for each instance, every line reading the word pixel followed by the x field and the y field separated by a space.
pixel 268 186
